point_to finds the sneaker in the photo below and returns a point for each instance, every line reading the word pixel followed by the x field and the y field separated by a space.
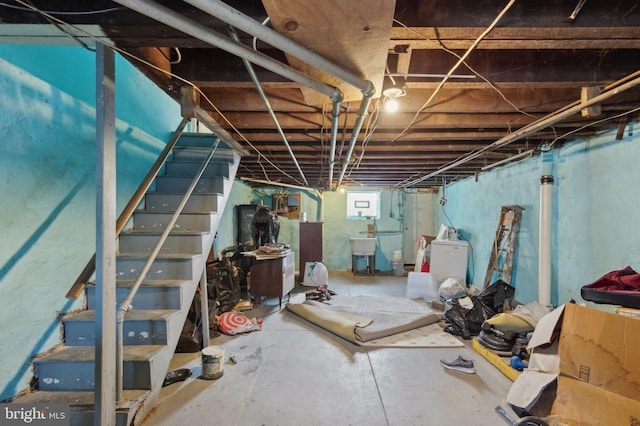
pixel 460 364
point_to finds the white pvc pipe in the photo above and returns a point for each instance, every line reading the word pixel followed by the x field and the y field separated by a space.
pixel 544 248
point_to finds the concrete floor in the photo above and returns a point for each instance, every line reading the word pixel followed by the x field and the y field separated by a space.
pixel 294 373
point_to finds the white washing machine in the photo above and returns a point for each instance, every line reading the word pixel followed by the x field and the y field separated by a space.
pixel 449 260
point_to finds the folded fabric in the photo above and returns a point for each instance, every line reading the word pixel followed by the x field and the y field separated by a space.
pixel 233 323
pixel 510 322
pixel 621 287
pixel 625 279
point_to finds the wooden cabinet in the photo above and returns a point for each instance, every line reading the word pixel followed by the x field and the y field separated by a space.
pixel 273 277
pixel 310 244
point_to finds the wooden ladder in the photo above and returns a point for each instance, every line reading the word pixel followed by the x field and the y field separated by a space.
pixel 504 245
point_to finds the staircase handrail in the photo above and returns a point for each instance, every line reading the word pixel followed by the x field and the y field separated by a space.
pixel 125 306
pixel 89 269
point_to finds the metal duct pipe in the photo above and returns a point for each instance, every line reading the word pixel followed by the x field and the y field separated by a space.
pixel 239 20
pixel 574 108
pixel 544 242
pixel 249 25
pixel 171 18
pixel 335 115
pixel 362 113
pixel 267 104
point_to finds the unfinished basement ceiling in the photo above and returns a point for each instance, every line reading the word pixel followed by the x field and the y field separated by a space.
pixel 524 61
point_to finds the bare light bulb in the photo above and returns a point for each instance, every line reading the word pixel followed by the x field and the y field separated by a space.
pixel 391 105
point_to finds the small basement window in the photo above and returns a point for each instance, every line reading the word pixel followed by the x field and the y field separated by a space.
pixel 363 205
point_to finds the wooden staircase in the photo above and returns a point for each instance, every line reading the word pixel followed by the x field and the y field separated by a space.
pixel 152 328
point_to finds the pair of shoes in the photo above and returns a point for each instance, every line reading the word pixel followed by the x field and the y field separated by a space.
pixel 459 364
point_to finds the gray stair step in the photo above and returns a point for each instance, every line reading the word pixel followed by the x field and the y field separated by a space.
pixel 156 220
pixel 168 202
pixel 152 294
pixel 183 266
pixel 81 404
pixel 72 368
pixel 202 140
pixel 143 241
pixel 190 153
pixel 141 327
pixel 205 185
pixel 215 168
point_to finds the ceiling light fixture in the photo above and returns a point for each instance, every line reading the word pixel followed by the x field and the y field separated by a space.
pixel 391 95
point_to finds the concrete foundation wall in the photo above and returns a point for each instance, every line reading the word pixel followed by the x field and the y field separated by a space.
pixel 595 228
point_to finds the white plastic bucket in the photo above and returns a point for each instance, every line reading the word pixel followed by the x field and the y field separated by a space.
pixel 397 265
pixel 397 255
pixel 212 362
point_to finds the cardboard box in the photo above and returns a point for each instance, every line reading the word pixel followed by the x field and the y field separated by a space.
pixel 589 354
pixel 579 403
pixel 601 349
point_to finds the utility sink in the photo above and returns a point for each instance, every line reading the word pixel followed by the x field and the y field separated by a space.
pixel 363 246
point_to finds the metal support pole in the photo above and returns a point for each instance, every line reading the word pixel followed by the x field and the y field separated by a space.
pixel 204 307
pixel 105 333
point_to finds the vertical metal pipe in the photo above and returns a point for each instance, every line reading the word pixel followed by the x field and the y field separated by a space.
pixel 546 215
pixel 335 118
pixel 362 113
pixel 204 306
pixel 105 333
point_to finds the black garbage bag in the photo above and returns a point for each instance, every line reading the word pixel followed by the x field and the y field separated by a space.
pixel 494 296
pixel 223 289
pixel 461 321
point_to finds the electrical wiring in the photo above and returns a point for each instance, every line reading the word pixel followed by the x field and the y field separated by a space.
pixel 372 125
pixel 54 12
pixel 255 39
pixel 466 64
pixel 613 117
pixel 168 73
pixel 452 70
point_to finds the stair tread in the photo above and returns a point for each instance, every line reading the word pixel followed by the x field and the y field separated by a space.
pixel 174 231
pixel 150 283
pixel 208 194
pixel 132 315
pixel 81 399
pixel 179 256
pixel 156 211
pixel 87 353
pixel 214 160
pixel 172 211
pixel 191 177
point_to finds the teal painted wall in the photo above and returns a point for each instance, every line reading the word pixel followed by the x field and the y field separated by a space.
pixel 227 227
pixel 47 175
pixel 595 204
pixel 338 231
pixel 329 208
